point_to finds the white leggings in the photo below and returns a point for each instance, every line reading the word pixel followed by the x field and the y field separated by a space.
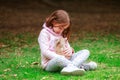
pixel 58 63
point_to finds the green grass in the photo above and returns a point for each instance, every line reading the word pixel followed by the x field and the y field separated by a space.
pixel 18 52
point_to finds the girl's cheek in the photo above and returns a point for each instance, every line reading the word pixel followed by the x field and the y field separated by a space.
pixel 61 31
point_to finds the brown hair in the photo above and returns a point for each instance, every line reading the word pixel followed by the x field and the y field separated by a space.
pixel 59 16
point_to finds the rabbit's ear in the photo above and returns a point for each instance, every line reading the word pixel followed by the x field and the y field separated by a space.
pixel 63 40
pixel 57 42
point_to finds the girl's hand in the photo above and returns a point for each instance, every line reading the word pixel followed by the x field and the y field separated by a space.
pixel 67 52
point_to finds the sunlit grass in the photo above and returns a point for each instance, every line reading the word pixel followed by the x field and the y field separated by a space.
pixel 19 52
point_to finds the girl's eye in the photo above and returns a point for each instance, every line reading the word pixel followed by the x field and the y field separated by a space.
pixel 61 28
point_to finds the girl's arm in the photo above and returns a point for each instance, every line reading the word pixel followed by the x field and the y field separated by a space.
pixel 43 40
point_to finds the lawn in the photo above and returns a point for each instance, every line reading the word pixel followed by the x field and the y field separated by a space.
pixel 20 57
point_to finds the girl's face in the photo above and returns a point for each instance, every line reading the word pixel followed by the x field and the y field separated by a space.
pixel 59 28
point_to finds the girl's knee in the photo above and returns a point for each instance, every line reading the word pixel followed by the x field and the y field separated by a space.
pixel 87 52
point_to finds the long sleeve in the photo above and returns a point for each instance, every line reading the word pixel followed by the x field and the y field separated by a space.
pixel 44 42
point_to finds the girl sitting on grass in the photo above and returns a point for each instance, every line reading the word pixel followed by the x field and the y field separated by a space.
pixel 57 25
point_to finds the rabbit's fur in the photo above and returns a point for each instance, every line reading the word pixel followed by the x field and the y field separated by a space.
pixel 60 45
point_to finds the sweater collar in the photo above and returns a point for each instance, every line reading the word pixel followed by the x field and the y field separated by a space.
pixel 50 30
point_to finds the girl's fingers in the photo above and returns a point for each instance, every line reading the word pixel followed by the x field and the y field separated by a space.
pixel 67 52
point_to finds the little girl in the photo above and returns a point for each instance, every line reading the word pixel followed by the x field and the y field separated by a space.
pixel 57 25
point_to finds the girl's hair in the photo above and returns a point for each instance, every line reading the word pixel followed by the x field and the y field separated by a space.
pixel 59 16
